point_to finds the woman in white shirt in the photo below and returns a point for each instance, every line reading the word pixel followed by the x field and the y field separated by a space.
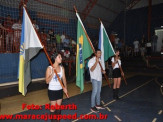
pixel 55 91
pixel 116 64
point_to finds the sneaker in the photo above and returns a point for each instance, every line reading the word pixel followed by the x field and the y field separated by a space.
pixel 100 107
pixel 94 109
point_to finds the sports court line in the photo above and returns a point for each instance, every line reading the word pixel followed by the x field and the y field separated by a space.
pixel 117 118
pixel 102 102
pixel 120 96
pixel 160 112
pixel 108 109
pixel 154 120
pixel 129 92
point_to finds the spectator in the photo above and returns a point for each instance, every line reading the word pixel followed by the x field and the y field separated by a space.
pixel 66 42
pixel 1 36
pixel 49 36
pixel 67 53
pixel 136 47
pixel 73 43
pixel 9 37
pixel 63 37
pixel 8 22
pixel 116 41
pixel 53 50
pixel 17 34
pixel 35 25
pixel 58 40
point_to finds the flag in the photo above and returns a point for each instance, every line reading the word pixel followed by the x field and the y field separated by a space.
pixel 84 51
pixel 105 46
pixel 29 47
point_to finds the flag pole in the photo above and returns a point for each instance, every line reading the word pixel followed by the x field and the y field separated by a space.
pixel 118 65
pixel 122 74
pixel 94 51
pixel 48 56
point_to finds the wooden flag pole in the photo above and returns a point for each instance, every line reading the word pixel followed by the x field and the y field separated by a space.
pixel 122 74
pixel 119 65
pixel 49 58
pixel 94 51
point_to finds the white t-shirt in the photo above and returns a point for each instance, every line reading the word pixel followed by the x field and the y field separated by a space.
pixel 17 30
pixel 17 26
pixel 136 44
pixel 116 40
pixel 96 74
pixel 54 84
pixel 62 37
pixel 116 65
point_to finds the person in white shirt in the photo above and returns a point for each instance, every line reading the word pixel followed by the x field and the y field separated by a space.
pixel 116 42
pixel 35 25
pixel 136 47
pixel 17 27
pixel 63 37
pixel 96 79
pixel 55 91
pixel 116 64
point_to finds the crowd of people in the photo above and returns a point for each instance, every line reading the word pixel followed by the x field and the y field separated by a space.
pixel 140 47
pixel 10 35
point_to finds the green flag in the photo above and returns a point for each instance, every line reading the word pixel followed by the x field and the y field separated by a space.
pixel 84 51
pixel 105 46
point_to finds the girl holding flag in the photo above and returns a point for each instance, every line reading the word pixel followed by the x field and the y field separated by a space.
pixel 55 91
pixel 116 64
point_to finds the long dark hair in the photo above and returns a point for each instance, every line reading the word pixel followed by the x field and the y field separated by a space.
pixel 116 50
pixel 54 56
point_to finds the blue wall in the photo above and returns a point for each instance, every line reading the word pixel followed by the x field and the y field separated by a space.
pixel 9 67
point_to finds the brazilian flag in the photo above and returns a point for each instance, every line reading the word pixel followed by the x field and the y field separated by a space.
pixel 84 51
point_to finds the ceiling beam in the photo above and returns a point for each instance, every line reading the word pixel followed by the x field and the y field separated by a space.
pixel 88 8
pixel 70 10
pixel 132 4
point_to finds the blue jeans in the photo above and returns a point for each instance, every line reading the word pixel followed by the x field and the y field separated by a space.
pixel 96 90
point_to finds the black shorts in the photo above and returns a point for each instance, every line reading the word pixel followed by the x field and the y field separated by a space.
pixel 116 73
pixel 55 95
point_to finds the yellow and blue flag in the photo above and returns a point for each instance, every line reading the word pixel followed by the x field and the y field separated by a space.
pixel 29 47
